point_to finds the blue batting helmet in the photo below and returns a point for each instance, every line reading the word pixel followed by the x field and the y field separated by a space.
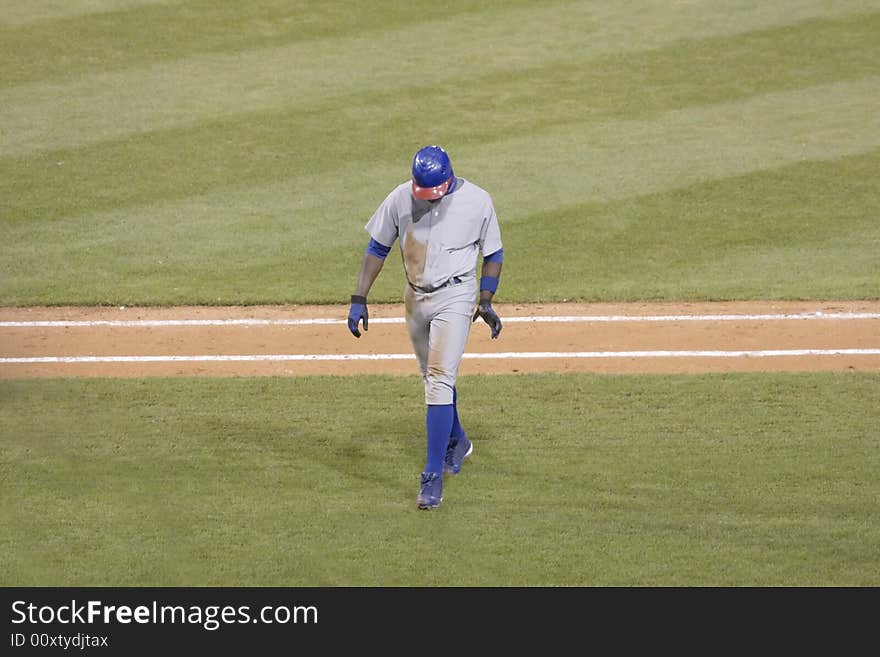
pixel 431 173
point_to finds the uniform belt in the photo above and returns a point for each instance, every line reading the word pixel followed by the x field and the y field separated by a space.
pixel 455 280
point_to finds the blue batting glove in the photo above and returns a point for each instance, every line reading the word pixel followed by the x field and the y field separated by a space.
pixel 484 310
pixel 356 313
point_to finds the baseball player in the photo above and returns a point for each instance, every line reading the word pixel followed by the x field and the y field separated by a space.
pixel 442 223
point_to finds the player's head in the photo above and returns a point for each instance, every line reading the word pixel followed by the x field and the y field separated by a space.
pixel 431 173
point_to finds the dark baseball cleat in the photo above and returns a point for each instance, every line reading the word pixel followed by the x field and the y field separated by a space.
pixel 431 491
pixel 455 454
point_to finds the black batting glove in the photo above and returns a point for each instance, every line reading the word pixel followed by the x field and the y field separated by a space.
pixel 484 310
pixel 356 313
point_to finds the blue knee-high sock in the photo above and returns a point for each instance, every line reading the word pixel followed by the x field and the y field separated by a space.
pixel 439 425
pixel 457 429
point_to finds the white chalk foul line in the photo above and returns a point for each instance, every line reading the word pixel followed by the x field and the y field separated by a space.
pixel 136 323
pixel 471 356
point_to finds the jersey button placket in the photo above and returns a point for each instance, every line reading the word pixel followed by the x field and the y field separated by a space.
pixel 431 214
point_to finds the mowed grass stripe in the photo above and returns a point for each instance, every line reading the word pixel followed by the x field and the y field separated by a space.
pixel 122 37
pixel 623 158
pixel 246 244
pixel 14 13
pixel 810 225
pixel 259 147
pixel 199 87
pixel 808 228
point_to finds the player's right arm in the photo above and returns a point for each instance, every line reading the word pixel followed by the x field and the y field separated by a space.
pixel 382 228
pixel 374 259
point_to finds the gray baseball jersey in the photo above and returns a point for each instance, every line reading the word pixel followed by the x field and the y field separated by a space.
pixel 440 242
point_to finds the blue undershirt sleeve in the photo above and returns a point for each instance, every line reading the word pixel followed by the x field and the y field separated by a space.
pixel 498 256
pixel 379 250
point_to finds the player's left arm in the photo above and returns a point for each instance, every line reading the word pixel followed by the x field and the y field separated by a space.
pixel 490 276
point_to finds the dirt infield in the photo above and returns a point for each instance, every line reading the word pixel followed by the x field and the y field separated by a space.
pixel 306 340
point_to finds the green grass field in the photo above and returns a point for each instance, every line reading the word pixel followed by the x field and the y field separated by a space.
pixel 576 480
pixel 158 152
pixel 231 152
